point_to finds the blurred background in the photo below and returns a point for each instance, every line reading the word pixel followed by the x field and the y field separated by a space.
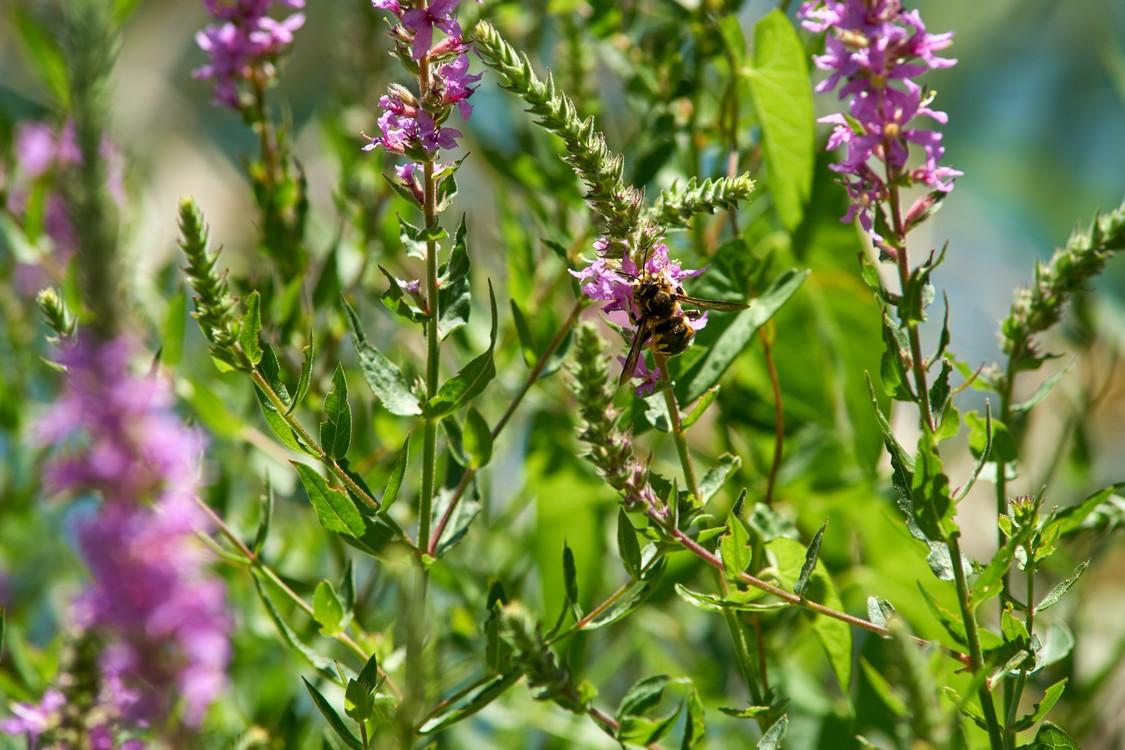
pixel 1037 124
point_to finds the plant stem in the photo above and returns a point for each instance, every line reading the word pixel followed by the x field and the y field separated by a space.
pixel 778 416
pixel 1021 681
pixel 532 378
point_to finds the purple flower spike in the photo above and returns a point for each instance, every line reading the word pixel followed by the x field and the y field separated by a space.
pixel 873 51
pixel 611 281
pixel 422 21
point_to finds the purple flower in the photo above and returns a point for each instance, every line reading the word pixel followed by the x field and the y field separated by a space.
pixel 612 281
pixel 30 720
pixel 162 617
pixel 245 39
pixel 422 21
pixel 457 84
pixel 873 51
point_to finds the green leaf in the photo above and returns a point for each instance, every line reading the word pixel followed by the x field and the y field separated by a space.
pixel 333 718
pixel 265 514
pixel 1071 519
pixel 811 555
pixel 471 702
pixel 745 713
pixel 1055 594
pixel 627 545
pixel 318 662
pixel 1050 697
pixel 44 55
pixel 739 601
pixel 477 440
pixel 700 407
pixel 902 466
pixel 453 290
pixel 463 515
pixel 306 374
pixel 1043 390
pixel 358 703
pixel 394 479
pixel 775 735
pixel 328 610
pixel 398 302
pixel 336 421
pixel 1002 447
pixel 734 547
pixel 714 479
pixel 737 336
pixel 335 510
pixel 983 458
pixel 635 595
pixel 694 727
pixel 642 696
pixel 527 341
pixel 570 576
pixel 884 690
pixel 1051 737
pixel 249 335
pixel 932 504
pixel 782 93
pixel 470 381
pixel 384 377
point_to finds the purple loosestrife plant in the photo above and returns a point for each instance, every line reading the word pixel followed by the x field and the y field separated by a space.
pixel 874 49
pixel 162 617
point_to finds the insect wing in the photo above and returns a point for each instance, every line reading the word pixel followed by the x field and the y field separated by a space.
pixel 711 304
pixel 634 353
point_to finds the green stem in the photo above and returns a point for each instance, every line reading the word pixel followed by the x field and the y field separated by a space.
pixel 1021 681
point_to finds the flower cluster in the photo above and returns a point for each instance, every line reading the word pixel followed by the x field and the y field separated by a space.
pixel 875 49
pixel 244 42
pixel 161 617
pixel 612 281
pixel 414 125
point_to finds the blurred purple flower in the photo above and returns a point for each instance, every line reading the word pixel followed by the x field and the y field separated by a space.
pixel 875 49
pixel 244 39
pixel 29 720
pixel 163 618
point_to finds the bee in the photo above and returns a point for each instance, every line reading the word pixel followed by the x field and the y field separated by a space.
pixel 661 319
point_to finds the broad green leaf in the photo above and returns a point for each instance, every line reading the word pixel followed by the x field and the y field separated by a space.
pixel 811 555
pixel 738 601
pixel 932 504
pixel 334 721
pixel 249 335
pixel 328 610
pixel 627 545
pixel 384 377
pixel 336 421
pixel 358 702
pixel 775 735
pixel 782 89
pixel 477 439
pixel 335 510
pixel 737 336
pixel 463 515
pixel 470 381
pixel 1055 594
pixel 453 292
pixel 990 582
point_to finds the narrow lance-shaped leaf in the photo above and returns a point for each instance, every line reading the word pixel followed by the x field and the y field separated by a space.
pixel 738 335
pixel 774 737
pixel 734 547
pixel 811 555
pixel 477 440
pixel 398 472
pixel 334 721
pixel 570 577
pixel 336 422
pixel 306 373
pixel 358 703
pixel 265 514
pixel 627 545
pixel 1056 594
pixel 320 663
